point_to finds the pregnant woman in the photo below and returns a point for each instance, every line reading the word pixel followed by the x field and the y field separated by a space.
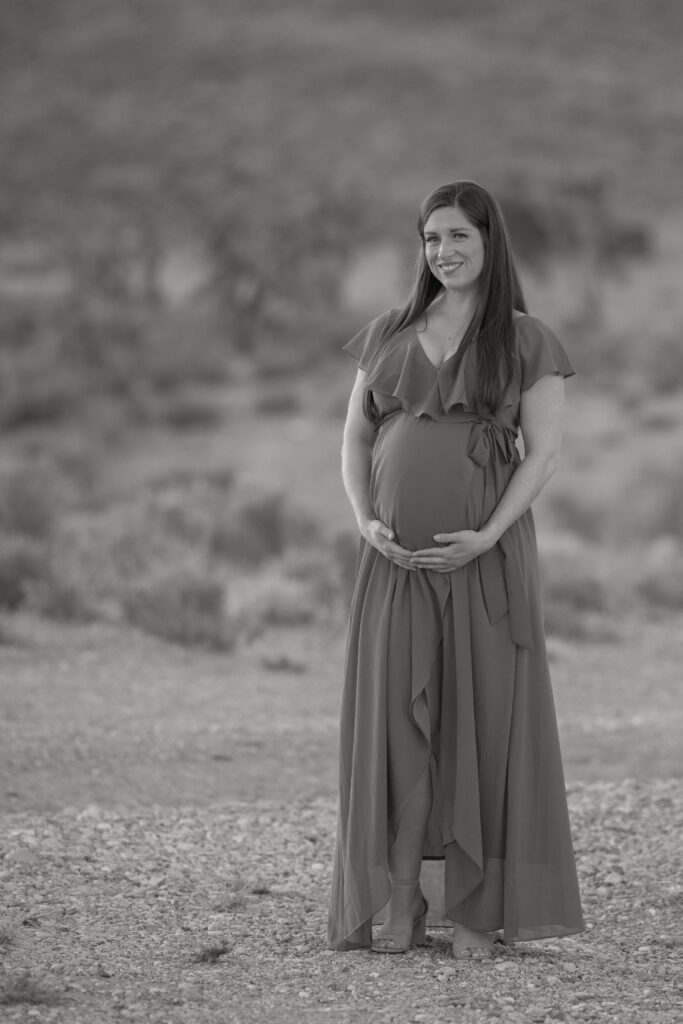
pixel 449 747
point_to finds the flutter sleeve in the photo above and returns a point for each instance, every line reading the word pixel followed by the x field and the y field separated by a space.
pixel 363 344
pixel 540 352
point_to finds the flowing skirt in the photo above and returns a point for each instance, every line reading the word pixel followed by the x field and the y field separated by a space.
pixel 448 673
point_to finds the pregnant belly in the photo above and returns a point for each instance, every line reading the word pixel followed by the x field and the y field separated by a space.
pixel 422 480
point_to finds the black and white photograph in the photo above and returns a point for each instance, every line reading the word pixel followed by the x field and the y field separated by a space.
pixel 341 512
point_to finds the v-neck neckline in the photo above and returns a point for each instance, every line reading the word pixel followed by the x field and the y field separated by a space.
pixel 436 369
pixel 439 368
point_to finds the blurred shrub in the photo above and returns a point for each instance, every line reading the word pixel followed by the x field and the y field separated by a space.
pixel 77 457
pixel 316 567
pixel 576 512
pixel 575 596
pixel 286 603
pixel 29 498
pixel 283 362
pixel 39 394
pixel 59 598
pixel 660 575
pixel 279 403
pixel 109 550
pixel 22 560
pixel 184 346
pixel 253 532
pixel 650 504
pixel 270 600
pixel 572 576
pixel 562 620
pixel 659 364
pixel 659 414
pixel 187 412
pixel 182 607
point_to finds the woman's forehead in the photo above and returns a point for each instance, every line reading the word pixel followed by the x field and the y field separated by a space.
pixel 447 217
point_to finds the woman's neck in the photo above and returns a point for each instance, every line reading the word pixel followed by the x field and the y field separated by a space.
pixel 454 307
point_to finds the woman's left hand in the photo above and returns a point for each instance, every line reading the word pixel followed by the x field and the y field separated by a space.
pixel 455 550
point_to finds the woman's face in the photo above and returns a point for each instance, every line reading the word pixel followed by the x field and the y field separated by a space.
pixel 453 247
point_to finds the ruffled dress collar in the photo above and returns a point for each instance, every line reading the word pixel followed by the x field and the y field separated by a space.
pixel 405 372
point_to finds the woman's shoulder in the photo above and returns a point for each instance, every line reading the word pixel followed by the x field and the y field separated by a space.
pixel 363 344
pixel 385 319
pixel 540 350
pixel 528 319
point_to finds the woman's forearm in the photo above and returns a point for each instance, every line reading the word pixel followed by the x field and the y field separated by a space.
pixel 356 462
pixel 525 485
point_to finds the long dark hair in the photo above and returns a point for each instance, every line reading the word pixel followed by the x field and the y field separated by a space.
pixel 500 290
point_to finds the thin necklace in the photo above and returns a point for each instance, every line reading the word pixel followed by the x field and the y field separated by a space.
pixel 450 337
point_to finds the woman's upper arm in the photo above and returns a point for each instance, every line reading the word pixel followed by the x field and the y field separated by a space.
pixel 541 416
pixel 357 426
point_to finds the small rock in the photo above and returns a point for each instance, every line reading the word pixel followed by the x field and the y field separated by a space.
pixel 193 993
pixel 20 855
pixel 317 866
pixel 614 878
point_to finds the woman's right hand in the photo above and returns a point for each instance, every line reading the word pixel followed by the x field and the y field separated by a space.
pixel 381 536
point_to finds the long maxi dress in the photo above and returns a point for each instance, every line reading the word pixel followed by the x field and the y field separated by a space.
pixel 448 672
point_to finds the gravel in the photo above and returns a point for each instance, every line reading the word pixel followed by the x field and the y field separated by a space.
pixel 219 913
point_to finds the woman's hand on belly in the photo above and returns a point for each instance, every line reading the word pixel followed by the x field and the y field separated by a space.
pixel 455 550
pixel 380 536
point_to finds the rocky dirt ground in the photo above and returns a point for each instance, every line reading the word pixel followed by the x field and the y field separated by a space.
pixel 168 825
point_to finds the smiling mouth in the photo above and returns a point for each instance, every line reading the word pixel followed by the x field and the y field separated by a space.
pixel 448 268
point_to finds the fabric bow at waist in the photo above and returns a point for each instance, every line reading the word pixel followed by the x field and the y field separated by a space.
pixel 487 435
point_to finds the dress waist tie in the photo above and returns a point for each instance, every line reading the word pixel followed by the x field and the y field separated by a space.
pixel 500 568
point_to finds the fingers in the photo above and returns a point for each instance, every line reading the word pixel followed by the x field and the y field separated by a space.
pixel 381 538
pixel 397 554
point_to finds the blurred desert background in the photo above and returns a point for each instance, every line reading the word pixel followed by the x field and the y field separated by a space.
pixel 199 204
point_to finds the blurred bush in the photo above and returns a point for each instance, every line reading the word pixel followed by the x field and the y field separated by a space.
pixel 57 597
pixel 29 499
pixel 659 581
pixel 279 403
pixel 182 607
pixel 22 561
